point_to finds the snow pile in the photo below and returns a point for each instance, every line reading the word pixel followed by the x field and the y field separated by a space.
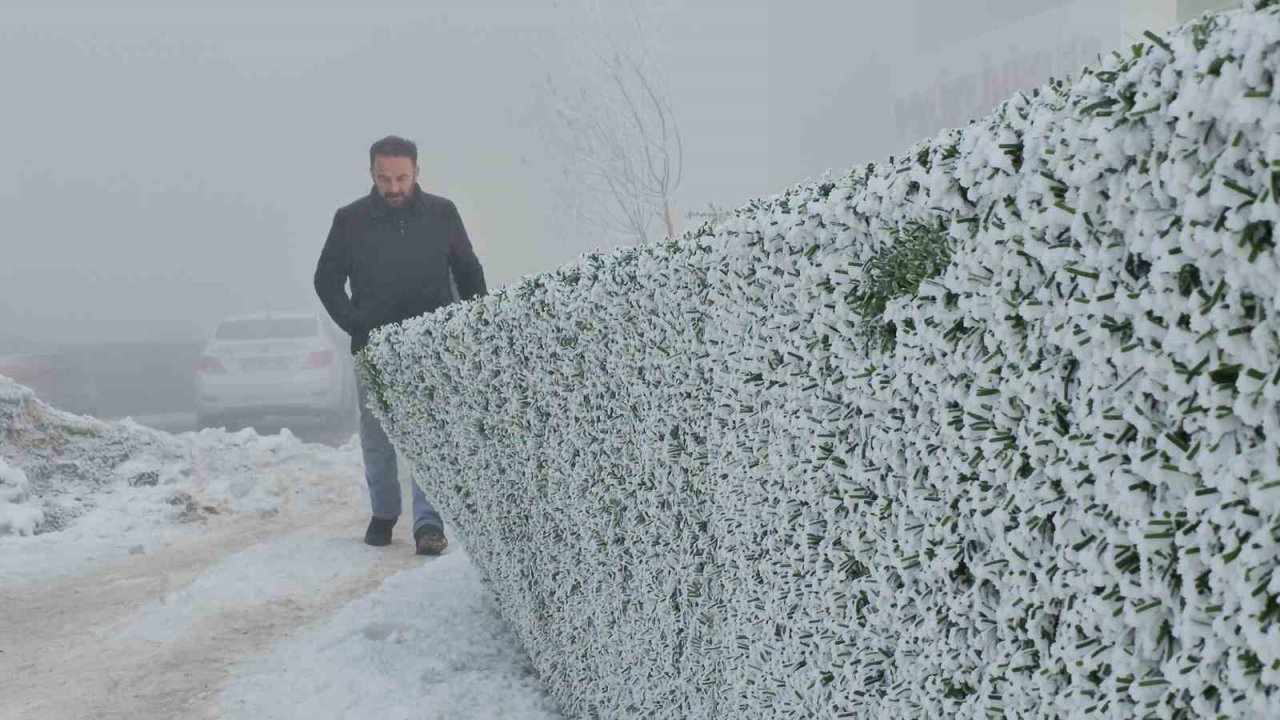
pixel 989 429
pixel 18 514
pixel 428 643
pixel 118 486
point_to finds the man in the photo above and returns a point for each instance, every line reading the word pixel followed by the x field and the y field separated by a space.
pixel 398 247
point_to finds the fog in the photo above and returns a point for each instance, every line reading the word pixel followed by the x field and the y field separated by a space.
pixel 164 164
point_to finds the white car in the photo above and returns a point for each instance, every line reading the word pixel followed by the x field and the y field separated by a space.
pixel 286 367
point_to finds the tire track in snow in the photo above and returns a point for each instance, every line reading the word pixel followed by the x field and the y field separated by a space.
pixel 91 646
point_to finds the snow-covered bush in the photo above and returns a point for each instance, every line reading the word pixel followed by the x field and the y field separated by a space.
pixel 990 429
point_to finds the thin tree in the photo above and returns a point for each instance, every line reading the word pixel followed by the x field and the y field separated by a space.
pixel 624 157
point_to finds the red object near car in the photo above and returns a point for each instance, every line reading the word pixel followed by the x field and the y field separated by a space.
pixel 33 371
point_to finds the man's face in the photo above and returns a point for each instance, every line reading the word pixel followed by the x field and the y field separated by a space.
pixel 394 177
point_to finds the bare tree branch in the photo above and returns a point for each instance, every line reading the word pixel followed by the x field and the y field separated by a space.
pixel 622 149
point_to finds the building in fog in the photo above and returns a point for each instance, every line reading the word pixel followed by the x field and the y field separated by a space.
pixel 871 79
pixel 1017 46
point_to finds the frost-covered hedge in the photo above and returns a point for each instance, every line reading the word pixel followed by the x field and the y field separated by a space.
pixel 990 429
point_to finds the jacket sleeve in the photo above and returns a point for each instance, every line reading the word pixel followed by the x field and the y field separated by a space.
pixel 468 275
pixel 331 278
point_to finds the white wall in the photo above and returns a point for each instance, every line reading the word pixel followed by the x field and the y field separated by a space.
pixel 1189 9
pixel 857 82
pixel 1143 15
pixel 959 76
pixel 1022 44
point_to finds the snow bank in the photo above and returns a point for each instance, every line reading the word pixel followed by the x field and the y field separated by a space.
pixel 18 514
pixel 990 428
pixel 113 487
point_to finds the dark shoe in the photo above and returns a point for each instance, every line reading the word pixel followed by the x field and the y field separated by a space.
pixel 379 532
pixel 430 540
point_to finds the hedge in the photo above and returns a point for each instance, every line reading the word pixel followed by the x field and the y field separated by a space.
pixel 989 429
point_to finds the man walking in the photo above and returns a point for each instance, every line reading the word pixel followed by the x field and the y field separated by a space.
pixel 399 248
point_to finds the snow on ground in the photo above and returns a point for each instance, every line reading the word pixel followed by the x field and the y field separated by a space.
pixel 121 519
pixel 428 643
pixel 18 513
pixel 266 572
pixel 76 491
pixel 221 575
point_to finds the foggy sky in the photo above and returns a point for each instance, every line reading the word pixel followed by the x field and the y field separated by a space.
pixel 165 163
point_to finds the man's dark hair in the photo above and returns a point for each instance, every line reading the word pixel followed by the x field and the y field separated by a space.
pixel 393 146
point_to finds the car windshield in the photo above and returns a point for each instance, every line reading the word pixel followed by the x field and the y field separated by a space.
pixel 267 328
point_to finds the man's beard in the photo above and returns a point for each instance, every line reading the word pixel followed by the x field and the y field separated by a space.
pixel 394 199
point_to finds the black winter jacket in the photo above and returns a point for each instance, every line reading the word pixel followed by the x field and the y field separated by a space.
pixel 398 260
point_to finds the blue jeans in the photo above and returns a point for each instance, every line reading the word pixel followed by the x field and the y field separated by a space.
pixel 382 475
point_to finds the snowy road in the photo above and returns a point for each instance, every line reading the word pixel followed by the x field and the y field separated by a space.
pixel 210 628
pixel 218 575
pixel 79 648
